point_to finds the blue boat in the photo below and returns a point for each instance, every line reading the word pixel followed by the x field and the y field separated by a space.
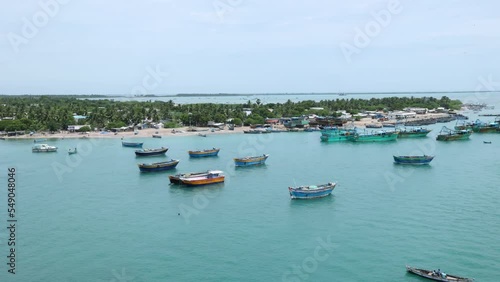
pixel 204 153
pixel 158 166
pixel 248 161
pixel 131 144
pixel 311 191
pixel 413 160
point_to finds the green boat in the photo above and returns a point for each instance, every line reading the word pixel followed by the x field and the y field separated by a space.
pixel 379 136
pixel 413 132
pixel 447 134
pixel 336 135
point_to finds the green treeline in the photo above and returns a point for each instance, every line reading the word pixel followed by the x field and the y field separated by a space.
pixel 56 113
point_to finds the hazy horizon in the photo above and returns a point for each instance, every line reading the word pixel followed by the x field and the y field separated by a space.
pixel 167 47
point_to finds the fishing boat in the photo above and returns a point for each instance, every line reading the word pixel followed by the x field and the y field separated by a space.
pixel 311 191
pixel 248 161
pixel 413 132
pixel 151 152
pixel 204 153
pixel 202 135
pixel 212 177
pixel 158 166
pixel 379 136
pixel 373 125
pixel 256 131
pixel 43 148
pixel 131 144
pixel 487 142
pixel 156 136
pixel 71 152
pixel 336 135
pixel 413 160
pixel 437 275
pixel 482 127
pixel 176 179
pixel 39 140
pixel 447 134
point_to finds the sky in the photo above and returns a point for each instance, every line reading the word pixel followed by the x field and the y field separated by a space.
pixel 247 46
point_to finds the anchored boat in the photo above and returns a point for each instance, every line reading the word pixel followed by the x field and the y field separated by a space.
pixel 204 153
pixel 413 160
pixel 43 148
pixel 158 166
pixel 311 191
pixel 131 144
pixel 211 177
pixel 151 152
pixel 248 161
pixel 413 132
pixel 336 134
pixel 379 136
pixel 447 134
pixel 176 179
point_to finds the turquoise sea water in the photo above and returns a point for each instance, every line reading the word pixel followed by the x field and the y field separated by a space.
pixel 95 217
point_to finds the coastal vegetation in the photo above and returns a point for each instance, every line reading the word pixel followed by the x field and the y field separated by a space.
pixel 54 113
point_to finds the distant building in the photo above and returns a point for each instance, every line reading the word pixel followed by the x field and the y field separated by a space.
pixel 73 128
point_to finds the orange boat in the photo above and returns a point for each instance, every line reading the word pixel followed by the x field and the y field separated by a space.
pixel 212 177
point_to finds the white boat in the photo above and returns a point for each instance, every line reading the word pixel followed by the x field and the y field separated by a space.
pixel 43 148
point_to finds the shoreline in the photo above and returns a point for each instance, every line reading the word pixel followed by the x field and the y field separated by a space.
pixel 183 131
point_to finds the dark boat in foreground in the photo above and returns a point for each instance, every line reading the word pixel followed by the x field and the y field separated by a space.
pixel 131 144
pixel 487 142
pixel 151 152
pixel 204 153
pixel 158 166
pixel 437 275
pixel 413 160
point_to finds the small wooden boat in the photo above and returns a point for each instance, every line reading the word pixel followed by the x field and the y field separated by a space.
pixel 254 131
pixel 158 166
pixel 212 177
pixel 487 142
pixel 151 152
pixel 311 191
pixel 176 179
pixel 202 135
pixel 204 153
pixel 447 134
pixel 71 152
pixel 437 275
pixel 43 148
pixel 156 136
pixel 248 161
pixel 131 144
pixel 413 160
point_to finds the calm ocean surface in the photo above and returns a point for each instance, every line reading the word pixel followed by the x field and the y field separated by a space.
pixel 95 217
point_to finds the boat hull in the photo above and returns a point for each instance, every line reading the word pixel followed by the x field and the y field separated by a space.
pixel 453 137
pixel 306 193
pixel 413 160
pixel 154 152
pixel 158 166
pixel 250 161
pixel 203 181
pixel 132 144
pixel 413 134
pixel 375 137
pixel 201 154
pixel 428 274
